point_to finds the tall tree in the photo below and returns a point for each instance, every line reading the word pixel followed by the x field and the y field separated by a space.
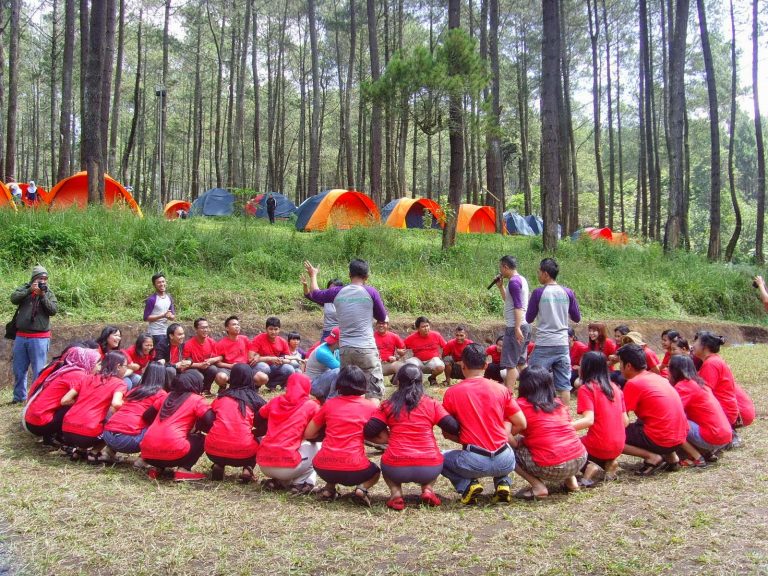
pixel 375 142
pixel 759 256
pixel 494 168
pixel 84 51
pixel 65 121
pixel 609 98
pixel 239 156
pixel 93 91
pixel 314 128
pixel 115 118
pixel 137 104
pixel 348 95
pixel 731 248
pixel 550 141
pixel 106 86
pixel 164 104
pixel 13 90
pixel 594 32
pixel 52 78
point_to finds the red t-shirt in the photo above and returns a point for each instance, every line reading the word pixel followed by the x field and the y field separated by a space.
pixel 454 349
pixel 605 438
pixel 550 437
pixel 746 406
pixel 425 348
pixel 344 418
pixel 702 407
pixel 231 435
pixel 128 419
pixel 233 351
pixel 578 349
pixel 197 352
pixel 495 353
pixel 264 347
pixel 175 354
pixel 142 361
pixel 94 397
pixel 285 433
pixel 531 346
pixel 411 440
pixel 168 439
pixel 481 406
pixel 651 359
pixel 40 411
pixel 387 344
pixel 655 402
pixel 719 378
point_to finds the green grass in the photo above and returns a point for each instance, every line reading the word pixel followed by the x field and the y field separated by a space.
pixel 64 518
pixel 100 263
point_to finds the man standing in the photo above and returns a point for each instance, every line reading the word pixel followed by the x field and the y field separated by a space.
pixel 551 305
pixel 517 333
pixel 159 311
pixel 271 206
pixel 357 304
pixel 36 303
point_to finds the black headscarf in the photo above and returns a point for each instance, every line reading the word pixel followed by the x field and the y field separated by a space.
pixel 241 388
pixel 184 385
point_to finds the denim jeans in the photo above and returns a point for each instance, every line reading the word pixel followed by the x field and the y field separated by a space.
pixel 125 443
pixel 694 437
pixel 278 374
pixel 324 386
pixel 27 352
pixel 557 360
pixel 462 466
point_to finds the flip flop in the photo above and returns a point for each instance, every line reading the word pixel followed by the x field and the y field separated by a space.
pixel 360 495
pixel 649 469
pixel 396 503
pixel 327 495
pixel 527 494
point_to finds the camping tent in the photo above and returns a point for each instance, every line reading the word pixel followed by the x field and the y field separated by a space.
pixel 171 210
pixel 6 198
pixel 337 208
pixel 73 191
pixel 42 195
pixel 257 206
pixel 536 224
pixel 476 219
pixel 605 234
pixel 516 224
pixel 214 202
pixel 409 213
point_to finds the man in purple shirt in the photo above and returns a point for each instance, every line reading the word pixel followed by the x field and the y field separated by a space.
pixel 356 306
pixel 551 305
pixel 159 312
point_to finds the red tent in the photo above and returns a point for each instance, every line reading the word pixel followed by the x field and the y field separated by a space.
pixel 171 210
pixel 73 191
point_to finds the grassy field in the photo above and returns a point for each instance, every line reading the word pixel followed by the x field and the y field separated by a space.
pixel 65 518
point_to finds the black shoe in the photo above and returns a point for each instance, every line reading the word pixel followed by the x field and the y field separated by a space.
pixel 469 496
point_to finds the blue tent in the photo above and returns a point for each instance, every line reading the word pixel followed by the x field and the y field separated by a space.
pixel 516 224
pixel 215 202
pixel 307 208
pixel 536 224
pixel 410 212
pixel 283 209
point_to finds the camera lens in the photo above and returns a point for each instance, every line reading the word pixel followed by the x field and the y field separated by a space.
pixel 754 284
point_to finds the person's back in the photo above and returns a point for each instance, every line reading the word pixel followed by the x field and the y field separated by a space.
pixel 166 438
pixel 552 304
pixel 605 437
pixel 95 394
pixel 129 419
pixel 344 418
pixel 285 432
pixel 550 436
pixel 655 402
pixel 702 407
pixel 411 439
pixel 718 376
pixel 41 407
pixel 231 433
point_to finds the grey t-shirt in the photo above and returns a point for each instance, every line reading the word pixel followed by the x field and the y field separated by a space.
pixel 162 305
pixel 356 307
pixel 551 306
pixel 517 298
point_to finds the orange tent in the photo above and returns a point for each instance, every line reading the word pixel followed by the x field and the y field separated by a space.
pixel 73 191
pixel 42 195
pixel 606 234
pixel 6 198
pixel 338 208
pixel 476 219
pixel 171 210
pixel 409 213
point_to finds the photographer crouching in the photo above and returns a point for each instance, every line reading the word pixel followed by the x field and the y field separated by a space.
pixel 35 303
pixel 759 283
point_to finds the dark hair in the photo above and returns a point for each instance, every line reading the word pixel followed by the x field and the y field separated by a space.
pixel 351 381
pixel 710 341
pixel 602 335
pixel 622 329
pixel 594 368
pixel 293 336
pixel 499 337
pixel 420 320
pixel 139 344
pixel 334 282
pixel 409 390
pixel 152 380
pixel 460 328
pixel 509 261
pixel 571 332
pixel 111 362
pixel 473 356
pixel 92 344
pixel 242 389
pixel 228 320
pixel 538 387
pixel 197 321
pixel 634 355
pixel 273 322
pixel 549 265
pixel 105 334
pixel 171 329
pixel 681 342
pixel 358 268
pixel 155 277
pixel 670 334
pixel 681 367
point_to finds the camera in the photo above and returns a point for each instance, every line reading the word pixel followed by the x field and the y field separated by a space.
pixel 754 284
pixel 43 286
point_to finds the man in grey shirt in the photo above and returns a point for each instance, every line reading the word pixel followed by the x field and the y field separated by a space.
pixel 551 305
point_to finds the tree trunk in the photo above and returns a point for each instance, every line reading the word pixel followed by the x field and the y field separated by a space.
pixel 550 164
pixel 136 104
pixel 256 106
pixel 13 91
pixel 314 128
pixel 84 44
pixel 456 137
pixel 115 119
pixel 348 95
pixel 594 31
pixel 164 105
pixel 731 248
pixel 609 97
pixel 92 127
pixel 759 256
pixel 645 56
pixel 495 170
pixel 3 26
pixel 197 119
pixel 618 137
pixel 567 161
pixel 521 72
pixel 375 143
pixel 65 120
pixel 106 88
pixel 238 156
pixel 52 84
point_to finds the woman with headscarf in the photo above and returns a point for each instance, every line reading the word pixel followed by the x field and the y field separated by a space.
pixel 43 415
pixel 231 440
pixel 284 456
pixel 173 439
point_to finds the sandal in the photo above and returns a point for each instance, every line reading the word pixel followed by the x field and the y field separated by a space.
pixel 396 503
pixel 429 498
pixel 360 495
pixel 649 469
pixel 527 494
pixel 247 475
pixel 271 485
pixel 690 463
pixel 302 489
pixel 328 495
pixel 586 483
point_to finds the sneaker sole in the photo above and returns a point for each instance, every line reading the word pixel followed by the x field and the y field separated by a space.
pixel 471 497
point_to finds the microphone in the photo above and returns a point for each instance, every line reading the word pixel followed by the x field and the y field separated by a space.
pixel 495 280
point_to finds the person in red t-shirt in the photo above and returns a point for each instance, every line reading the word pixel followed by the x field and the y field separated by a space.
pixel 268 355
pixel 231 440
pixel 342 459
pixel 493 352
pixel 667 339
pixel 716 373
pixel 597 333
pixel 404 423
pixel 576 349
pixel 427 347
pixel 124 431
pixel 139 355
pixel 172 439
pixel 201 350
pixel 708 428
pixel 661 426
pixel 452 354
pixel 284 456
pixel 173 351
pixel 487 415
pixel 603 414
pixel 652 361
pixel 234 348
pixel 109 339
pixel 548 450
pixel 391 348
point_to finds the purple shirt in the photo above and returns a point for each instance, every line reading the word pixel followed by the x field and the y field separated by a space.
pixel 356 306
pixel 551 306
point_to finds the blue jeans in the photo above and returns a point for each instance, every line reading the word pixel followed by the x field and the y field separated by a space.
pixel 278 373
pixel 462 466
pixel 694 437
pixel 26 352
pixel 124 443
pixel 324 386
pixel 557 360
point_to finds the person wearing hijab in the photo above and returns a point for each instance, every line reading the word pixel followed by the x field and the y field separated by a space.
pixel 44 414
pixel 32 192
pixel 173 439
pixel 284 456
pixel 231 440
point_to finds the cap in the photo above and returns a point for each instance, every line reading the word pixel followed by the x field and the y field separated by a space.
pixel 333 337
pixel 38 271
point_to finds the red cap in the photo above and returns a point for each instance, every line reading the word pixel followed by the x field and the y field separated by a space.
pixel 333 337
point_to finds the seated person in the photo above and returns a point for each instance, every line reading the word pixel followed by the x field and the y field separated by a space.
pixel 268 355
pixel 323 367
pixel 652 362
pixel 342 459
pixel 139 355
pixel 173 351
pixel 667 338
pixel 680 346
pixel 284 456
pixel 234 348
pixel 297 355
pixel 452 354
pixel 576 349
pixel 548 449
pixel 597 332
pixel 109 340
pixel 661 426
pixel 391 348
pixel 493 352
pixel 404 423
pixel 427 348
pixel 486 413
pixel 201 351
